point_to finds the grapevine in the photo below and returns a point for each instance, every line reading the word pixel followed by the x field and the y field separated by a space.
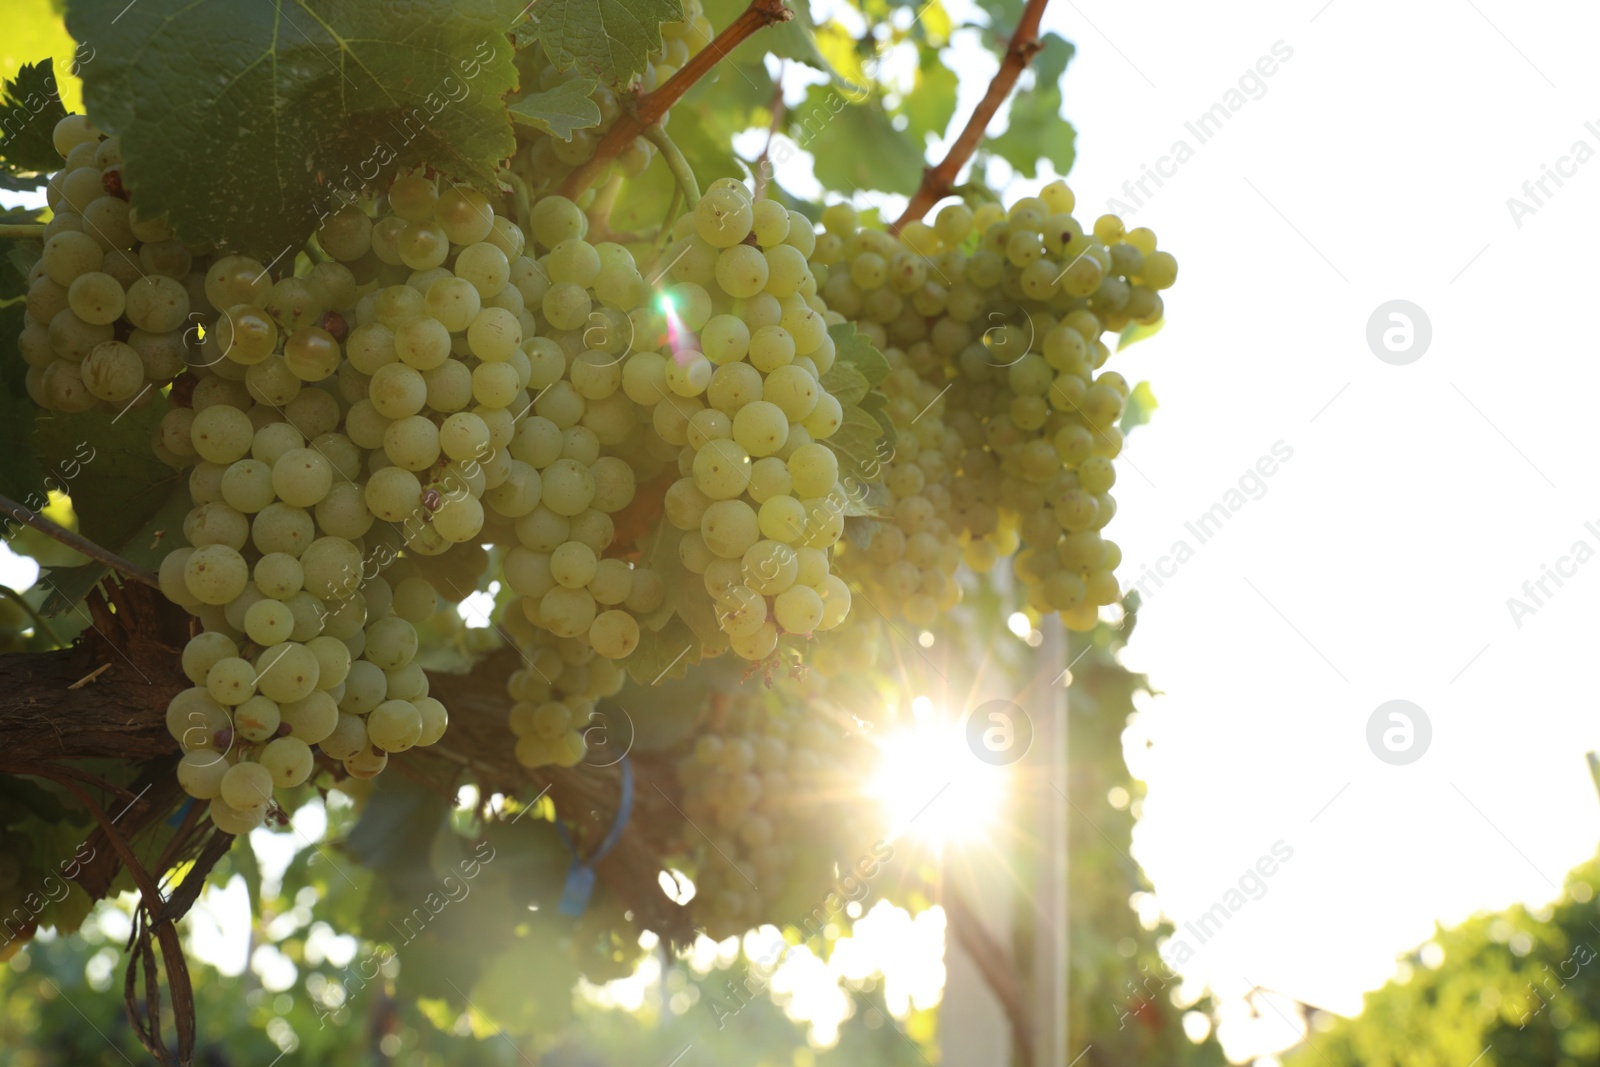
pixel 454 465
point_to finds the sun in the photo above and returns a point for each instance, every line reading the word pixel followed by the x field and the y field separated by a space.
pixel 930 784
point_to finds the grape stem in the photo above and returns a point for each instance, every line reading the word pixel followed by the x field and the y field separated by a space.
pixel 521 194
pixel 763 163
pixel 681 171
pixel 938 181
pixel 30 518
pixel 21 229
pixel 650 108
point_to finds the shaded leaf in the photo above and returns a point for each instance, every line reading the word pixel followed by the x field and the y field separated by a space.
pixel 610 40
pixel 853 347
pixel 21 477
pixel 104 462
pixel 665 653
pixel 845 383
pixel 559 111
pixel 244 123
pixel 29 111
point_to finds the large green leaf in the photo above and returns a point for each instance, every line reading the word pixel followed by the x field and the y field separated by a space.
pixel 608 39
pixel 29 111
pixel 1036 129
pixel 856 145
pixel 245 122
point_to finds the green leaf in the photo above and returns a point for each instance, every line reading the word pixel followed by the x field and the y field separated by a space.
pixel 845 383
pixel 856 145
pixel 1135 332
pixel 146 547
pixel 245 123
pixel 104 462
pixel 795 39
pixel 560 111
pixel 852 346
pixel 29 111
pixel 1036 129
pixel 1141 406
pixel 861 448
pixel 608 39
pixel 931 102
pixel 664 653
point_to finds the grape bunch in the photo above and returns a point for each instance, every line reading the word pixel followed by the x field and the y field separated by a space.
pixel 109 300
pixel 553 697
pixel 1006 425
pixel 758 497
pixel 770 763
pixel 544 160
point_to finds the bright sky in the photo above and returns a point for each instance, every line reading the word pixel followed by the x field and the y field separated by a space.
pixel 1374 164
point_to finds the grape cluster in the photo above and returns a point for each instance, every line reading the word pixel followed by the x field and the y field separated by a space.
pixel 1006 425
pixel 758 496
pixel 109 300
pixel 769 764
pixel 553 698
pixel 545 160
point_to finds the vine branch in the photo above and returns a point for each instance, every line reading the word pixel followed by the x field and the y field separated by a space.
pixel 939 181
pixel 648 112
pixel 31 518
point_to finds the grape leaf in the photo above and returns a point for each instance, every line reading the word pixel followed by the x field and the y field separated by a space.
pixel 608 39
pixel 664 653
pixel 932 99
pixel 852 346
pixel 845 383
pixel 855 145
pixel 795 39
pixel 1036 129
pixel 240 121
pixel 21 478
pixel 104 462
pixel 1135 332
pixel 29 111
pixel 1141 405
pixel 559 111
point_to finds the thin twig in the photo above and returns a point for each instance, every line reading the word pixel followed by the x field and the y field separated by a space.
pixel 72 540
pixel 759 14
pixel 763 164
pixel 938 181
pixel 91 676
pixel 21 229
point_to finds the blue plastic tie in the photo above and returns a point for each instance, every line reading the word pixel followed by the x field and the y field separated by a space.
pixel 580 876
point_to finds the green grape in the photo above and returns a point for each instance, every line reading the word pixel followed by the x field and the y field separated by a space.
pixel 301 477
